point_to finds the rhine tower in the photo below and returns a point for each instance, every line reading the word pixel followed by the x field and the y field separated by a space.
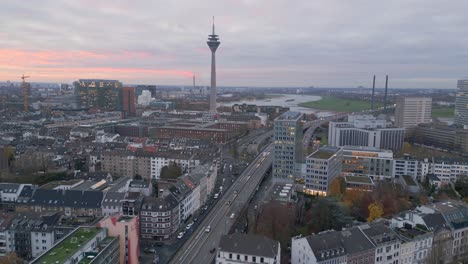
pixel 213 42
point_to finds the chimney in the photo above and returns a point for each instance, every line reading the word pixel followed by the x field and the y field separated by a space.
pixel 373 92
pixel 386 90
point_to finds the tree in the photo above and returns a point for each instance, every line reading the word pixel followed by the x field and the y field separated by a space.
pixel 338 187
pixel 11 258
pixel 172 171
pixel 375 211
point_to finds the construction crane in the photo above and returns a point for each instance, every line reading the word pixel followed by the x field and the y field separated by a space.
pixel 25 93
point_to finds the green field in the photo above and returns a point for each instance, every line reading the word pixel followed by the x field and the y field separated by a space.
pixel 331 103
pixel 442 111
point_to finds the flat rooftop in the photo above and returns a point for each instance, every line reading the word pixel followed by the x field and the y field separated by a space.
pixel 325 152
pixel 289 115
pixel 70 245
pixel 358 179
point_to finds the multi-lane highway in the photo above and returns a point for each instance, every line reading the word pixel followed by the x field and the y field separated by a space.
pixel 198 248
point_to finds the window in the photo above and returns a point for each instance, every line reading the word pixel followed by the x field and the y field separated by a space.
pixel 230 256
pixel 261 260
pixel 238 257
pixel 254 259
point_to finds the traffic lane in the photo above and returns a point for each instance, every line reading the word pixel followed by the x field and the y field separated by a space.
pixel 214 238
pixel 187 247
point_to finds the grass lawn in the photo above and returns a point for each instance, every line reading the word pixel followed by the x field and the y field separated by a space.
pixel 442 111
pixel 331 103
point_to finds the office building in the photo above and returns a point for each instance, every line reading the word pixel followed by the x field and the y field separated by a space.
pixel 247 248
pixel 128 101
pixel 322 167
pixel 461 103
pixel 84 245
pixel 98 94
pixel 288 146
pixel 126 229
pixel 411 111
pixel 213 43
pixel 365 131
pixel 368 162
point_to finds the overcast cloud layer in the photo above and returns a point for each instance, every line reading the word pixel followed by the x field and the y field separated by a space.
pixel 326 43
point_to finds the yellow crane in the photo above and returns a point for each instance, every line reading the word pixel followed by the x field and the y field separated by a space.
pixel 25 93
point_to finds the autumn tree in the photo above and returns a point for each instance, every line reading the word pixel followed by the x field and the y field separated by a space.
pixel 11 258
pixel 338 187
pixel 375 211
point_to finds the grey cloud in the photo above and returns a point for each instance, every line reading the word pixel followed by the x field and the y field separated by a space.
pixel 337 43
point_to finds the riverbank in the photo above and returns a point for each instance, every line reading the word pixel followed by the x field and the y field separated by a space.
pixel 331 103
pixel 442 111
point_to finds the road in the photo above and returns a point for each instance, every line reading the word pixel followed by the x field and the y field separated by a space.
pixel 198 246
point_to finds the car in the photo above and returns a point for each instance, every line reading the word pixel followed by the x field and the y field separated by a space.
pixel 212 250
pixel 232 216
pixel 208 229
pixel 205 207
pixel 235 192
pixel 189 226
pixel 228 202
pixel 180 235
pixel 195 219
pixel 216 195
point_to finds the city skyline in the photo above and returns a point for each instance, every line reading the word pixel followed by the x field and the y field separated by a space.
pixel 266 43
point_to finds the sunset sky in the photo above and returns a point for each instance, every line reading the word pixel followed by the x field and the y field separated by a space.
pixel 324 43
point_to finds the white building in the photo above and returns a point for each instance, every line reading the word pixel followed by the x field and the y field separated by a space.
pixel 365 131
pixel 332 247
pixel 411 111
pixel 247 248
pixel 9 192
pixel 386 242
pixel 158 162
pixel 41 241
pixel 103 137
pixel 145 98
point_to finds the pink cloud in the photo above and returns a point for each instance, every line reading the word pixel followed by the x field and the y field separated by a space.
pixel 68 65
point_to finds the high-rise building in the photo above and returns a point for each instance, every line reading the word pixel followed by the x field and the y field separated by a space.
pixel 98 94
pixel 322 167
pixel 288 147
pixel 461 103
pixel 365 131
pixel 128 101
pixel 411 111
pixel 126 229
pixel 213 42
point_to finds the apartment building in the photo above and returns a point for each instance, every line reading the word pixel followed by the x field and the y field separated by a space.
pixel 412 110
pixel 159 217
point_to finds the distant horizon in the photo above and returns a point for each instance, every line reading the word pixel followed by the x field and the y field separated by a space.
pixel 252 87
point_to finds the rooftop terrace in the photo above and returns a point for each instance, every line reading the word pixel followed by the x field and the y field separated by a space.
pixel 69 246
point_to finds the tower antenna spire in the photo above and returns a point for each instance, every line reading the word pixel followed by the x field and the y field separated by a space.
pixel 213 26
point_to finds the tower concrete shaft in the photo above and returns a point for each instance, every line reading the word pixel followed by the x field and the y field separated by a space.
pixel 213 43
